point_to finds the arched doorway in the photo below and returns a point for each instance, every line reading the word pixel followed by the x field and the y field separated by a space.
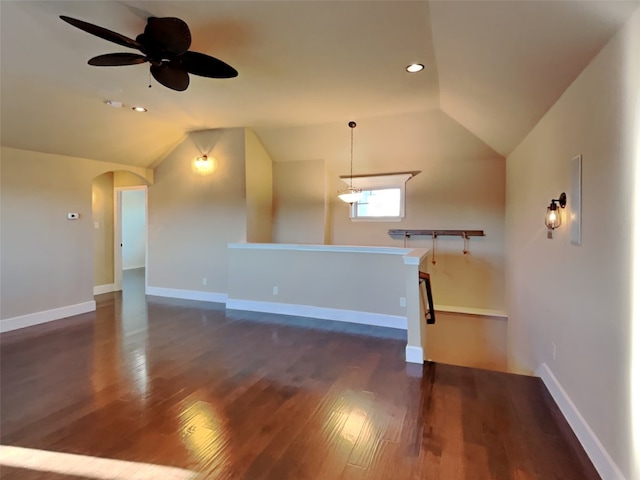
pixel 119 208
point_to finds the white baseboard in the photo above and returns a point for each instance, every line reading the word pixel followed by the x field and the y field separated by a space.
pixel 414 354
pixel 31 319
pixel 187 294
pixel 483 312
pixel 599 456
pixel 100 289
pixel 352 316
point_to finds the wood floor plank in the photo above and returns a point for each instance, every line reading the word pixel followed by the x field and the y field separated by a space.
pixel 244 395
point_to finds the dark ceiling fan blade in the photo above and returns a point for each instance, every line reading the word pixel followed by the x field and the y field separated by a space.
pixel 102 32
pixel 169 34
pixel 117 59
pixel 207 66
pixel 171 76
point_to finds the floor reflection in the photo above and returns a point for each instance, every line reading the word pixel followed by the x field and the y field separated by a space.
pixel 134 322
pixel 121 339
pixel 203 433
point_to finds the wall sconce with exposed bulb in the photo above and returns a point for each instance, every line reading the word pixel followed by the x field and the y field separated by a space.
pixel 554 219
pixel 202 161
pixel 203 165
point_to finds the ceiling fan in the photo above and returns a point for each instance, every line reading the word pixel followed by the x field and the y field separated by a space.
pixel 165 45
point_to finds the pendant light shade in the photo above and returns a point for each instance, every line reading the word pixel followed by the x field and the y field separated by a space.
pixel 351 194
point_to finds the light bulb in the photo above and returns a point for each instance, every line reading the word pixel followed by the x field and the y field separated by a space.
pixel 203 165
pixel 552 220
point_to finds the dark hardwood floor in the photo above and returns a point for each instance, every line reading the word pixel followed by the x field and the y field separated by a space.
pixel 238 395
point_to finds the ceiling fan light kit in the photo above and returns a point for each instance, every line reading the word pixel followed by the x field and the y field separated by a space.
pixel 165 45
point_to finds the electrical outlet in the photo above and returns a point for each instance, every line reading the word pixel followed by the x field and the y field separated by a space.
pixel 403 301
pixel 96 224
pixel 553 346
pixel 204 280
pixel 275 290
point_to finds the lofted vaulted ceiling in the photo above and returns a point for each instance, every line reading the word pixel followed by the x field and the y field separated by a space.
pixel 493 67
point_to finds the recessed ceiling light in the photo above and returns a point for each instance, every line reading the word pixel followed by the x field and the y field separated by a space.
pixel 139 109
pixel 415 67
pixel 113 103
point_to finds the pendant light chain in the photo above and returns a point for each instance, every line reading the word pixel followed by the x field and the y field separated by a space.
pixel 351 194
pixel 352 125
pixel 351 172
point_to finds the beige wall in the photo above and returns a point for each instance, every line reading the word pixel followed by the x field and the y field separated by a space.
pixel 348 281
pixel 462 185
pixel 122 178
pixel 192 217
pixel 47 260
pixel 259 185
pixel 465 194
pixel 299 202
pixel 579 298
pixel 375 286
pixel 468 340
pixel 102 211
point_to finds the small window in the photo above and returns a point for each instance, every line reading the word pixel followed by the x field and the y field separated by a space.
pixel 383 196
pixel 379 203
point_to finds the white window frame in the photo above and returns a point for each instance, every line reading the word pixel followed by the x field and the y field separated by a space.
pixel 380 182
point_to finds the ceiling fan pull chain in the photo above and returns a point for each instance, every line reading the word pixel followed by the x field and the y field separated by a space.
pixel 149 78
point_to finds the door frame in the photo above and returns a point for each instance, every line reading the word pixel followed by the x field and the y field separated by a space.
pixel 117 235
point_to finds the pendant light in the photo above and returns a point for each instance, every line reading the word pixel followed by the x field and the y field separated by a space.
pixel 351 194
